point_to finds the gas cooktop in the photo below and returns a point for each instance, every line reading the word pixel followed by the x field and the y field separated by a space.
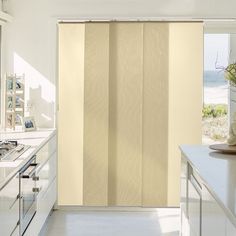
pixel 11 150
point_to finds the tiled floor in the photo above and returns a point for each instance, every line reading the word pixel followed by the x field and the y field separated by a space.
pixel 162 221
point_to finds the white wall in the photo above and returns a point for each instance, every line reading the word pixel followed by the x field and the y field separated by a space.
pixel 31 40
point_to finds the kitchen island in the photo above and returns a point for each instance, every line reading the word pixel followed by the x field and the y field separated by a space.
pixel 28 184
pixel 208 192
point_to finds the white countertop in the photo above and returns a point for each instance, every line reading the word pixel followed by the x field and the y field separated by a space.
pixel 218 171
pixel 35 139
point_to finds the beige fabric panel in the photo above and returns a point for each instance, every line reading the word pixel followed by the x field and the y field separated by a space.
pixel 155 114
pixel 96 79
pixel 185 96
pixel 70 115
pixel 126 79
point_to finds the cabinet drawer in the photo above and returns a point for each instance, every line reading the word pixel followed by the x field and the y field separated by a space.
pixel 16 232
pixel 9 218
pixel 46 175
pixel 230 228
pixel 9 206
pixel 47 150
pixel 10 193
pixel 213 217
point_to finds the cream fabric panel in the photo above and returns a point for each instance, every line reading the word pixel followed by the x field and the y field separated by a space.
pixel 185 96
pixel 155 114
pixel 125 137
pixel 96 77
pixel 70 115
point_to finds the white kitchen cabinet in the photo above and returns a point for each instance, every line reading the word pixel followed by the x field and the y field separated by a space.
pixel 46 174
pixel 213 217
pixel 46 197
pixel 194 209
pixel 16 232
pixel 46 151
pixel 183 182
pixel 194 201
pixel 183 197
pixel 9 207
pixel 201 214
pixel 230 228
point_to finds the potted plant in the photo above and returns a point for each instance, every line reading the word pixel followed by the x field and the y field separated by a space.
pixel 230 73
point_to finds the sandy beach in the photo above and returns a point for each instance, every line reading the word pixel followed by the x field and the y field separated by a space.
pixel 216 95
pixel 215 130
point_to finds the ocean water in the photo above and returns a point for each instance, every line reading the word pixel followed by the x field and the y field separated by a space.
pixel 214 79
pixel 215 88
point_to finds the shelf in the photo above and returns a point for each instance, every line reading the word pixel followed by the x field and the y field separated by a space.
pixel 14 100
pixel 5 17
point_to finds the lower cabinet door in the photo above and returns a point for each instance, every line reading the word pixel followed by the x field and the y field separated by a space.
pixel 183 197
pixel 46 174
pixel 230 229
pixel 9 207
pixel 194 209
pixel 16 232
pixel 213 217
pixel 44 206
pixel 183 185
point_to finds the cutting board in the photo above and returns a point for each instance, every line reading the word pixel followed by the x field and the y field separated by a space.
pixel 223 148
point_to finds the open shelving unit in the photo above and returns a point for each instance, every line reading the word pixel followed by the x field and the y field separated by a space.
pixel 14 100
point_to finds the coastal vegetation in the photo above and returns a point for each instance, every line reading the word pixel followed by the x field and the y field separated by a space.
pixel 214 123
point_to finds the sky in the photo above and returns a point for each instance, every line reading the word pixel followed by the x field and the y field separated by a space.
pixel 216 48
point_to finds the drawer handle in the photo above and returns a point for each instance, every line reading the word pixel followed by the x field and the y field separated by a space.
pixel 30 171
pixel 36 190
pixel 35 178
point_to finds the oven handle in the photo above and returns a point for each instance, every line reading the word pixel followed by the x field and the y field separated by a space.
pixel 31 172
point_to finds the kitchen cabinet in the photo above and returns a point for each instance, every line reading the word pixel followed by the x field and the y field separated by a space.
pixel 213 217
pixel 184 186
pixel 16 231
pixel 46 174
pixel 9 207
pixel 183 197
pixel 35 171
pixel 194 203
pixel 230 229
pixel 201 213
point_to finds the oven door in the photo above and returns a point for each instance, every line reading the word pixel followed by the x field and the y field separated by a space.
pixel 28 195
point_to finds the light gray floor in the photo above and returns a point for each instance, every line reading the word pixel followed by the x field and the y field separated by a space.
pixel 164 222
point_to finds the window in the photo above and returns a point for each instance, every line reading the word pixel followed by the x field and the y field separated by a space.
pixel 218 51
